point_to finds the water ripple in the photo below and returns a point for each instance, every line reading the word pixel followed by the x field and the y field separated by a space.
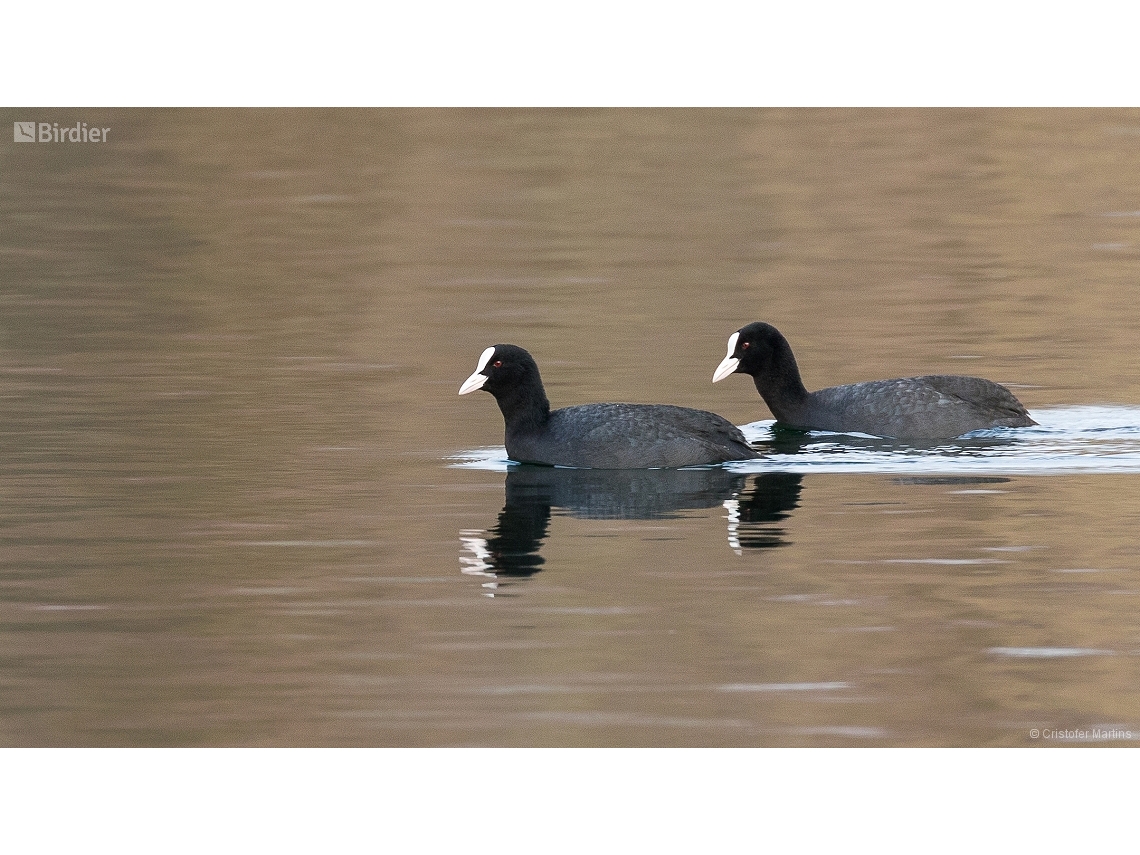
pixel 1067 440
pixel 1047 652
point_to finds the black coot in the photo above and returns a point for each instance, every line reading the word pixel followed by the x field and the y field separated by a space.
pixel 598 436
pixel 937 406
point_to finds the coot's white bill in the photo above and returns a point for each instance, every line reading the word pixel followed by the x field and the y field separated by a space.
pixel 476 380
pixel 730 363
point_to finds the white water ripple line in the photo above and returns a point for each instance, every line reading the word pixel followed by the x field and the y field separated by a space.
pixel 783 687
pixel 1067 440
pixel 1047 652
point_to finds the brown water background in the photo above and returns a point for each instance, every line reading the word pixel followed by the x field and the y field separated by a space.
pixel 230 345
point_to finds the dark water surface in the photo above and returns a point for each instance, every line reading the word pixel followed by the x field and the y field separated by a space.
pixel 242 503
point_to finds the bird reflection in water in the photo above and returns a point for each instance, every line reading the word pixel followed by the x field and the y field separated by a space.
pixel 511 550
pixel 769 498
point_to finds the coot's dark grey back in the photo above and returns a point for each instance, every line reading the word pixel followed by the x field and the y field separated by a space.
pixel 931 406
pixel 630 436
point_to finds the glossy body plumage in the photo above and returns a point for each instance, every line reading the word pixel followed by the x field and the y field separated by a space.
pixel 935 406
pixel 598 436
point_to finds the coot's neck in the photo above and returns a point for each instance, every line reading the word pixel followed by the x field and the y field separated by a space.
pixel 525 408
pixel 780 386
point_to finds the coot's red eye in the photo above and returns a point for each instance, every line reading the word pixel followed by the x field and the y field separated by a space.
pixel 498 363
pixel 745 345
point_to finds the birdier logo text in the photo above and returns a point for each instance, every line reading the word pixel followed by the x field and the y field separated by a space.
pixel 51 132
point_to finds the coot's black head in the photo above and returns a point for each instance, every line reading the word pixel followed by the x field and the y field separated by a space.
pixel 756 349
pixel 501 369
